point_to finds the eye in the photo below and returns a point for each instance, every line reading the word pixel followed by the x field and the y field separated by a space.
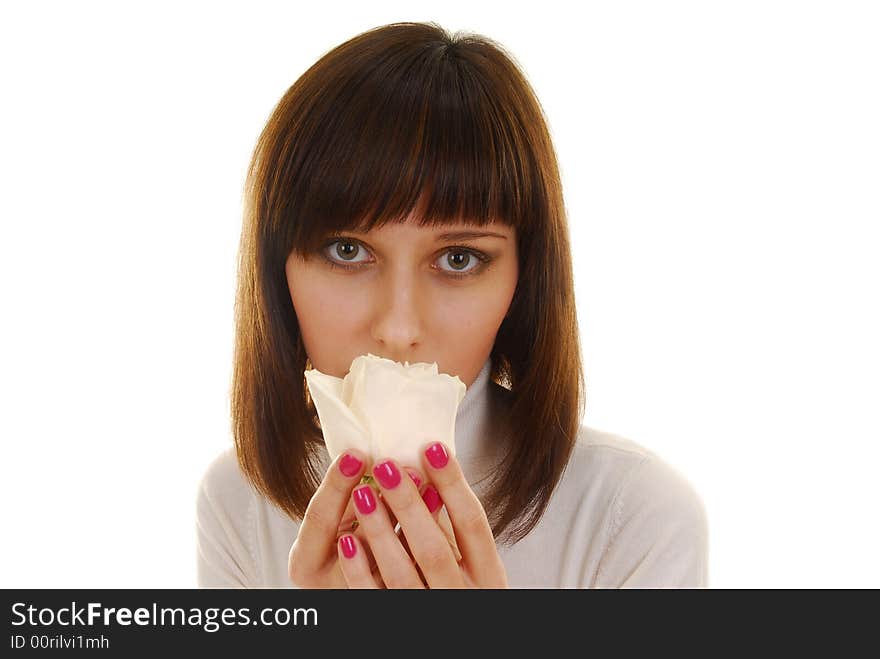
pixel 459 259
pixel 344 251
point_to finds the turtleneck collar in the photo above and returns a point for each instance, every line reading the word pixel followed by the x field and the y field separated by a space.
pixel 475 438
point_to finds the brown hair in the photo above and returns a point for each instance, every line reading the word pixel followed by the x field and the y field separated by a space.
pixel 404 118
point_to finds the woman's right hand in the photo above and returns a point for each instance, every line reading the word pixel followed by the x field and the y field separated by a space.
pixel 313 560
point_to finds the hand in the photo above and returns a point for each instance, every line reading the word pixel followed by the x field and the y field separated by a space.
pixel 429 558
pixel 312 561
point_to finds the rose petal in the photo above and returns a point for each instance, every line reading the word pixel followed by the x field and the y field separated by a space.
pixel 340 427
pixel 394 409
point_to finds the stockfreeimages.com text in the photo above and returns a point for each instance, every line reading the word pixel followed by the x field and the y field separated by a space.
pixel 210 619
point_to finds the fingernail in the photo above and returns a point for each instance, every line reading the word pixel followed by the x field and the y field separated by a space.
pixel 386 473
pixel 349 549
pixel 364 499
pixel 432 499
pixel 437 455
pixel 349 465
pixel 415 479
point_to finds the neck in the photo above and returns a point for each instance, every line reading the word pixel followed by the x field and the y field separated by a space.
pixel 477 437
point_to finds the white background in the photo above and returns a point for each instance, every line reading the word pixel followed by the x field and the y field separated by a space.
pixel 721 164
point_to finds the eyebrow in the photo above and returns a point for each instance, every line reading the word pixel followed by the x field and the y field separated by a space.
pixel 454 235
pixel 465 235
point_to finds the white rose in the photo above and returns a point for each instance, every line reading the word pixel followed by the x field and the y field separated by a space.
pixel 386 409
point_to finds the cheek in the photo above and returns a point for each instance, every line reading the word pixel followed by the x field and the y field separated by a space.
pixel 484 307
pixel 466 325
pixel 478 311
pixel 327 314
pixel 318 303
pixel 465 332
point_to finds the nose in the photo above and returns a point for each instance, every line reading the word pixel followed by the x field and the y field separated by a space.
pixel 398 324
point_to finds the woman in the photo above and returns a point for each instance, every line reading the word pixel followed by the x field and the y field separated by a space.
pixel 370 201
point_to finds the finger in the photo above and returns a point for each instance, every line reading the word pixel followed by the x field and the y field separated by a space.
pixel 353 523
pixel 319 529
pixel 417 479
pixel 395 566
pixel 435 506
pixel 446 526
pixel 355 564
pixel 443 520
pixel 350 524
pixel 469 522
pixel 431 499
pixel 415 476
pixel 426 541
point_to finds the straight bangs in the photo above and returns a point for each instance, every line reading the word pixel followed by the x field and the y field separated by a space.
pixel 422 128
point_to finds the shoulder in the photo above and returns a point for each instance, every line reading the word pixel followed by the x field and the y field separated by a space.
pixel 222 480
pixel 604 459
pixel 224 495
pixel 657 526
pixel 639 477
pixel 224 520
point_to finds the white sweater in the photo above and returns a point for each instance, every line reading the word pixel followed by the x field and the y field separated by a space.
pixel 619 517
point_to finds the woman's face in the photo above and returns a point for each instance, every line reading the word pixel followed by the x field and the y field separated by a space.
pixel 411 294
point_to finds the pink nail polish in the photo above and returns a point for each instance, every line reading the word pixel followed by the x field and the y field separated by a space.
pixel 415 479
pixel 387 474
pixel 349 549
pixel 349 465
pixel 437 455
pixel 432 499
pixel 364 499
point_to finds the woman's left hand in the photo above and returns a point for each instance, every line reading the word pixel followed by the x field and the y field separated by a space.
pixel 425 558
